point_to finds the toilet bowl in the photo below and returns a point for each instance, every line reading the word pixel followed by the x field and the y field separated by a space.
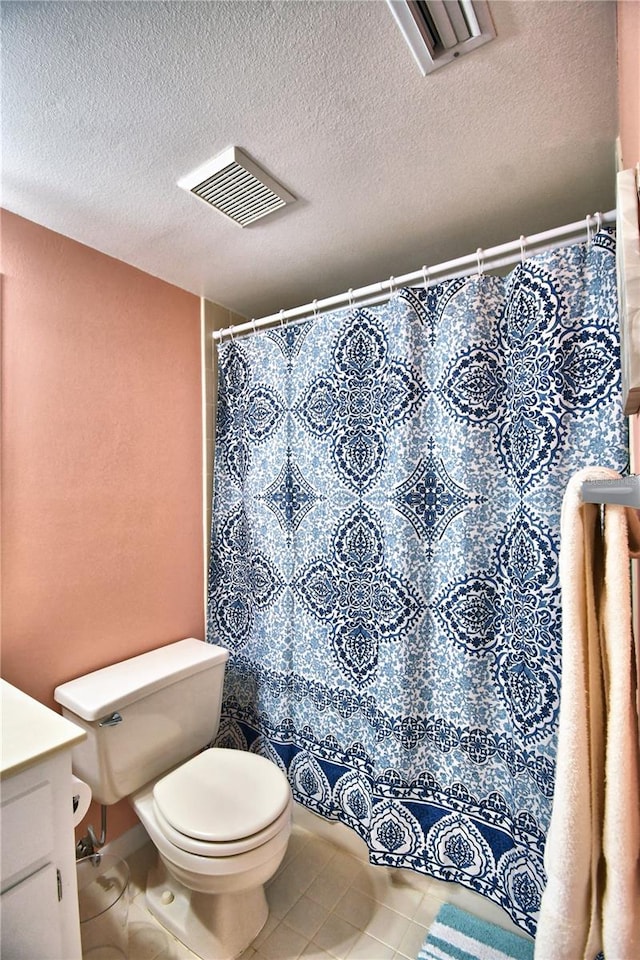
pixel 220 823
pixel 220 819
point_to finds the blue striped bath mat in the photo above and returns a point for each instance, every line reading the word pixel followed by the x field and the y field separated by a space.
pixel 456 935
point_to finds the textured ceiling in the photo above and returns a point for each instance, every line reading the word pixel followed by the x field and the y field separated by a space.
pixel 106 105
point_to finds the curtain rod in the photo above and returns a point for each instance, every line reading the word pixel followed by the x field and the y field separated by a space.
pixel 479 262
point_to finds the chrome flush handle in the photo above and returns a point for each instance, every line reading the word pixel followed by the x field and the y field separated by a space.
pixel 110 721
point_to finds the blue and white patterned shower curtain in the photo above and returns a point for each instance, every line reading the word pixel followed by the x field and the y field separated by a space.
pixel 384 565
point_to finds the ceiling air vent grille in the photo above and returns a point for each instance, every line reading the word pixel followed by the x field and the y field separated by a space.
pixel 236 187
pixel 439 31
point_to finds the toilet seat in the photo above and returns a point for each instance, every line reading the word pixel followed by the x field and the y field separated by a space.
pixel 230 848
pixel 222 803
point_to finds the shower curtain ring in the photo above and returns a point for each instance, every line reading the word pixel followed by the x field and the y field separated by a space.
pixel 315 309
pixel 425 276
pixel 230 332
pixel 392 284
pixel 523 249
pixel 479 257
pixel 281 318
pixel 350 297
pixel 588 231
pixel 598 222
pixel 253 324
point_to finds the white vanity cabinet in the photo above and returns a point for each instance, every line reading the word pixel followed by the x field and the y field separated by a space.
pixel 38 898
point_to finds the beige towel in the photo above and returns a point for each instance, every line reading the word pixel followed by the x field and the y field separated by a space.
pixel 592 856
pixel 621 834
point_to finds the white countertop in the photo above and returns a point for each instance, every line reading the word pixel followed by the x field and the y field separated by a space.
pixel 31 731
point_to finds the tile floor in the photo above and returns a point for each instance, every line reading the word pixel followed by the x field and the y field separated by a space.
pixel 324 905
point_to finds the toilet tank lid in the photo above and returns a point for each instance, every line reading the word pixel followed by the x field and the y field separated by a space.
pixel 114 687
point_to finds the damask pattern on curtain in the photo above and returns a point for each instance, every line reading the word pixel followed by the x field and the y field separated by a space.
pixel 388 483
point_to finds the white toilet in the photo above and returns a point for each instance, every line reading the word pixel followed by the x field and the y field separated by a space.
pixel 220 820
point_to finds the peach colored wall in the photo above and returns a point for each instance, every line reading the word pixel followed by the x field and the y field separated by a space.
pixel 628 29
pixel 628 16
pixel 629 81
pixel 102 462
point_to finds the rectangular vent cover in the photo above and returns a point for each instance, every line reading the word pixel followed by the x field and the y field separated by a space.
pixel 236 187
pixel 439 31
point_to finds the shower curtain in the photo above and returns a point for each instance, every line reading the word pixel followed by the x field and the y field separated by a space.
pixel 388 483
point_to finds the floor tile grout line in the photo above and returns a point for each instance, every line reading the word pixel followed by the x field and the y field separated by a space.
pixel 378 902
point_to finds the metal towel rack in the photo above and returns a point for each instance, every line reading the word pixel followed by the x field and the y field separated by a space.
pixel 624 491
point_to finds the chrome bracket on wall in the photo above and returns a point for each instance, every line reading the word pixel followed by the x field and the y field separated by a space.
pixel 624 491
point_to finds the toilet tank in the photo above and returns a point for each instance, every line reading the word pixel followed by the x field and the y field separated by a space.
pixel 144 715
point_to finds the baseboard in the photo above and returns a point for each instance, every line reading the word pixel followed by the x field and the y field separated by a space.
pixel 127 843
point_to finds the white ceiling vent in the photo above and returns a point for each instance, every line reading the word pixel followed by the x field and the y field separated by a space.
pixel 439 31
pixel 236 187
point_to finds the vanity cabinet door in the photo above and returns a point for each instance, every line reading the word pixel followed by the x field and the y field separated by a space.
pixel 31 918
pixel 39 897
